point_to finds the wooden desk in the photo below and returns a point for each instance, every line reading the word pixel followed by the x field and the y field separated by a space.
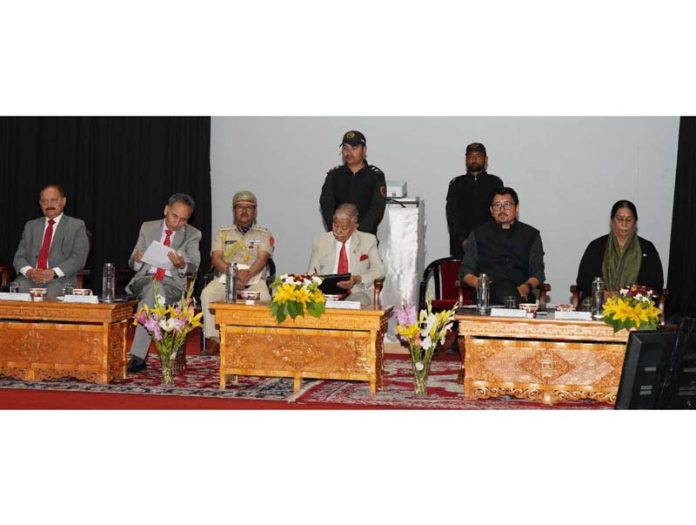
pixel 542 359
pixel 341 344
pixel 50 339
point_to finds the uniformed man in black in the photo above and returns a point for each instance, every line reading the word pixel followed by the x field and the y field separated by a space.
pixel 355 182
pixel 469 198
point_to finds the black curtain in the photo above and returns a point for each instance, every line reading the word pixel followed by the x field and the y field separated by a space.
pixel 681 276
pixel 116 172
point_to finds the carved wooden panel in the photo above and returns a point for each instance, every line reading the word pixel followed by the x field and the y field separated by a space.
pixel 538 329
pixel 551 371
pixel 32 349
pixel 342 344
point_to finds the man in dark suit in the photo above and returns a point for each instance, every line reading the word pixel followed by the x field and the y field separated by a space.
pixel 185 256
pixel 53 248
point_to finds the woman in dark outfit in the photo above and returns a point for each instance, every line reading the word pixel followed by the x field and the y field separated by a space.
pixel 621 258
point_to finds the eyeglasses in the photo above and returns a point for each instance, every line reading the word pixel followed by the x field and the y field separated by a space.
pixel 502 205
pixel 627 220
pixel 248 207
pixel 55 200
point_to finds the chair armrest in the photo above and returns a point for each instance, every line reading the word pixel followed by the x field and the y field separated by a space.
pixel 574 295
pixel 661 301
pixel 7 272
pixel 378 284
pixel 544 289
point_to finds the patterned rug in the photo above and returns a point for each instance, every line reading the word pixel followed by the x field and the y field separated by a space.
pixel 202 380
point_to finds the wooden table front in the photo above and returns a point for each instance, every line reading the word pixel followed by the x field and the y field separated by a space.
pixel 51 339
pixel 543 359
pixel 341 344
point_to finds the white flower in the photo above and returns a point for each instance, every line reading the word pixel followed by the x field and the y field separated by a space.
pixel 419 366
pixel 316 279
pixel 168 324
pixel 426 343
pixel 160 299
pixel 623 291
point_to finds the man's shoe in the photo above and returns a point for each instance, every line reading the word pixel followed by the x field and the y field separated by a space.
pixel 136 364
pixel 212 347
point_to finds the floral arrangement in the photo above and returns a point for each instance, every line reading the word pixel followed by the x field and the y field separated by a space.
pixel 632 308
pixel 294 294
pixel 237 246
pixel 423 334
pixel 168 325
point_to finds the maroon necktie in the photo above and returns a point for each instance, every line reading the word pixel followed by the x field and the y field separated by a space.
pixel 159 274
pixel 343 260
pixel 46 246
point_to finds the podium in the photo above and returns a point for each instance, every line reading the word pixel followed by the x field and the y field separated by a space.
pixel 401 237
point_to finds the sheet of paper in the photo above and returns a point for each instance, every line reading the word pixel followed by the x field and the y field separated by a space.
pixel 252 281
pixel 156 255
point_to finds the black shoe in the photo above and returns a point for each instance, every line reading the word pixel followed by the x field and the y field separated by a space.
pixel 136 364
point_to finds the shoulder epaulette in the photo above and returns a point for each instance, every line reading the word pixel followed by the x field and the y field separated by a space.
pixel 334 168
pixel 260 228
pixel 376 169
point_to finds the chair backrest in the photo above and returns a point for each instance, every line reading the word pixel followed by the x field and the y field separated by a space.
pixel 445 275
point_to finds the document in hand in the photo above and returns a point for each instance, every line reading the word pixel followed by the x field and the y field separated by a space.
pixel 156 255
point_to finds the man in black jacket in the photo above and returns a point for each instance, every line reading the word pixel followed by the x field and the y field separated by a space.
pixel 469 197
pixel 355 182
pixel 510 252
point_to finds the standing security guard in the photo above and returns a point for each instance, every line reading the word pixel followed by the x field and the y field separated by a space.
pixel 469 198
pixel 248 245
pixel 355 182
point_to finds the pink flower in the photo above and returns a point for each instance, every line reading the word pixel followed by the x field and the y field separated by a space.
pixel 406 315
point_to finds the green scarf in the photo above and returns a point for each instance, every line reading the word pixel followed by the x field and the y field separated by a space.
pixel 620 269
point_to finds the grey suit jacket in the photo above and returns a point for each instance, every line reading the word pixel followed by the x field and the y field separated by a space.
pixel 363 259
pixel 185 241
pixel 69 247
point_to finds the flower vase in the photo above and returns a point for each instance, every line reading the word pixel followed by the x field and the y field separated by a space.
pixel 420 378
pixel 420 384
pixel 167 361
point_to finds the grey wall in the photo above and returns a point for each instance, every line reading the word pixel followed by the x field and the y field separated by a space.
pixel 568 172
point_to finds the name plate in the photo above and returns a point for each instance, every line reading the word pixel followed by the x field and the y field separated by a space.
pixel 90 299
pixel 508 312
pixel 346 305
pixel 573 316
pixel 7 296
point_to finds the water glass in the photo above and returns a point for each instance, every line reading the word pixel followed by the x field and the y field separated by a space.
pixel 68 289
pixel 14 287
pixel 510 302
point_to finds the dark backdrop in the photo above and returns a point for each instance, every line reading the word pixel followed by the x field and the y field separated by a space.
pixel 116 172
pixel 681 276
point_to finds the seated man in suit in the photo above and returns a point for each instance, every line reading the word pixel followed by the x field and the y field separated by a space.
pixel 248 245
pixel 347 250
pixel 53 248
pixel 510 252
pixel 185 256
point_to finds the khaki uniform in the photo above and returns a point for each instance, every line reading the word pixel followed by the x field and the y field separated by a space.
pixel 240 249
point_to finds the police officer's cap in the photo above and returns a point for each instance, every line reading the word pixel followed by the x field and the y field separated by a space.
pixel 354 138
pixel 476 147
pixel 243 195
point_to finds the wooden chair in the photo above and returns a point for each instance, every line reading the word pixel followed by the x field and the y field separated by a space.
pixel 7 272
pixel 448 291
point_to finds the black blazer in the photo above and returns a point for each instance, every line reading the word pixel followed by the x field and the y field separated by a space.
pixel 650 273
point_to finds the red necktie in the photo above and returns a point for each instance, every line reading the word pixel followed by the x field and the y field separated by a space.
pixel 343 260
pixel 46 246
pixel 159 274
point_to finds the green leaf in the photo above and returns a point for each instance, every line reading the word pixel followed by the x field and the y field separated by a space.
pixel 316 309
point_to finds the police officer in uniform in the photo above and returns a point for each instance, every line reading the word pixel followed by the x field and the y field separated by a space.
pixel 355 182
pixel 248 245
pixel 469 198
